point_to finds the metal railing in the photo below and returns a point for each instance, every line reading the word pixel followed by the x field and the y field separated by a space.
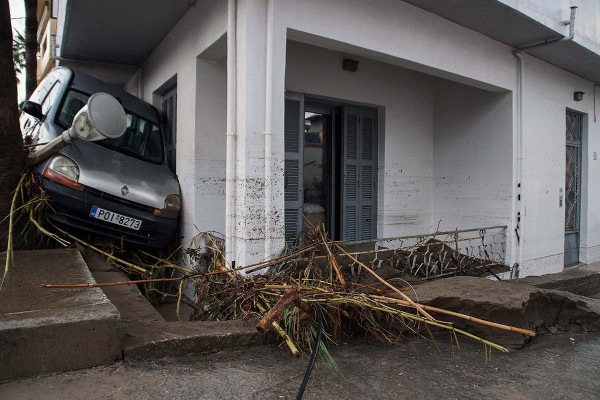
pixel 477 251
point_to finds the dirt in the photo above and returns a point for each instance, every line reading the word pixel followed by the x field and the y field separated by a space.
pixel 512 303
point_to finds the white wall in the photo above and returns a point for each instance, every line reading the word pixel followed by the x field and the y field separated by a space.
pixel 472 157
pixel 397 32
pixel 447 147
pixel 405 35
pixel 548 93
pixel 405 161
pixel 200 111
pixel 379 34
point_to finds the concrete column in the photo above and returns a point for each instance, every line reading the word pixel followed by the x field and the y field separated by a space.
pixel 186 145
pixel 250 122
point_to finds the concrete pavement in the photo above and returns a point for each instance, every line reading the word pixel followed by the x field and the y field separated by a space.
pixel 562 366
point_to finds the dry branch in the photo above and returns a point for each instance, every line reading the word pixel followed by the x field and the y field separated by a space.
pixel 395 289
pixel 458 315
pixel 275 312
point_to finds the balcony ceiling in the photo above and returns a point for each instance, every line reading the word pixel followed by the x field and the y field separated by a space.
pixel 118 31
pixel 509 26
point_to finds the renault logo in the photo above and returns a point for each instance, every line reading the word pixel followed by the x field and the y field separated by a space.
pixel 124 190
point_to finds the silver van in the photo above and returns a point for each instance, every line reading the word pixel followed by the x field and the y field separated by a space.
pixel 121 188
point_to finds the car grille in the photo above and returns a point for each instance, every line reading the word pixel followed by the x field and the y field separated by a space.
pixel 120 200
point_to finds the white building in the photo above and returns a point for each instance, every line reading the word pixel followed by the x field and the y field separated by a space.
pixel 442 125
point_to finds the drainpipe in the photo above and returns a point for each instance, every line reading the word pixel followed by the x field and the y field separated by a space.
pixel 547 42
pixel 268 133
pixel 230 189
pixel 516 246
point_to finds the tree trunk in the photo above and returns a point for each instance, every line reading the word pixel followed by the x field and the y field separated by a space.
pixel 31 46
pixel 12 156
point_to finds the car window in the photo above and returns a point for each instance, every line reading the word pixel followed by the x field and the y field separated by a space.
pixel 142 139
pixel 74 101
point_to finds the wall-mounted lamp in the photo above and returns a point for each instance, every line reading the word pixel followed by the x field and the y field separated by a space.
pixel 578 96
pixel 350 65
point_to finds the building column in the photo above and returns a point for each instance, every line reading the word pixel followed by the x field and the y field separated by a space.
pixel 250 228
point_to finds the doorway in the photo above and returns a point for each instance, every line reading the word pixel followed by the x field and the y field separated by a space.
pixel 330 168
pixel 574 124
pixel 169 109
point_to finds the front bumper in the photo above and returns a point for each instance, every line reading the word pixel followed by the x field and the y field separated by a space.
pixel 72 208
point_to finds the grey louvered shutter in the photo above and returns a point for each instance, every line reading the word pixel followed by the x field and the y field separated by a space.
pixel 169 108
pixel 294 165
pixel 368 177
pixel 350 173
pixel 359 207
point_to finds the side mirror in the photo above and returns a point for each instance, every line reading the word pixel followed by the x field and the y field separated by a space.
pixel 101 118
pixel 33 109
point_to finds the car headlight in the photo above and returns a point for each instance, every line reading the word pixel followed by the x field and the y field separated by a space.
pixel 171 208
pixel 63 170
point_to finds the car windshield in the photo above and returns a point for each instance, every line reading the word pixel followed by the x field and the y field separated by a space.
pixel 142 139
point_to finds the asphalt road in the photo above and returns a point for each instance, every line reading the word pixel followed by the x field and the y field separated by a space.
pixel 561 366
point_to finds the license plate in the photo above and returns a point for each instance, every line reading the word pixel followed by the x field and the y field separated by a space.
pixel 114 218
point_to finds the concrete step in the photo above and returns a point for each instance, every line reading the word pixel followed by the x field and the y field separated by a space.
pixel 51 330
pixel 149 336
pixel 583 280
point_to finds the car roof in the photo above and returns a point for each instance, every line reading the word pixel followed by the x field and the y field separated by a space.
pixel 91 85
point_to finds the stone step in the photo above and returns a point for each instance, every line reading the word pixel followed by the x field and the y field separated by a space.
pixel 50 330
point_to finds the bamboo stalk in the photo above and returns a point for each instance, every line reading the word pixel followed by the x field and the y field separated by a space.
pixel 414 317
pixel 60 240
pixel 276 310
pixel 117 259
pixel 166 263
pixel 199 275
pixel 415 305
pixel 9 245
pixel 332 260
pixel 459 315
pixel 179 298
pixel 82 285
pixel 288 341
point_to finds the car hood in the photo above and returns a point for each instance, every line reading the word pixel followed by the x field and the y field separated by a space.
pixel 110 171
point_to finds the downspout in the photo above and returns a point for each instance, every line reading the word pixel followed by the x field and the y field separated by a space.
pixel 517 248
pixel 230 189
pixel 519 209
pixel 547 42
pixel 268 133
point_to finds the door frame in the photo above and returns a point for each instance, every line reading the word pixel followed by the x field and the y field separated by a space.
pixel 335 200
pixel 579 145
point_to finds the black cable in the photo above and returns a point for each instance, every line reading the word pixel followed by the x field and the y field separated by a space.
pixel 313 356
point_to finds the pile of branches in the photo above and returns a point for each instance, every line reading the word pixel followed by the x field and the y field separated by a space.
pixel 286 293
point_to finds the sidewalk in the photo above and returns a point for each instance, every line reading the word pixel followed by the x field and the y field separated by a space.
pixel 47 330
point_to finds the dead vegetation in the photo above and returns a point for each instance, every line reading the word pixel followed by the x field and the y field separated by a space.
pixel 360 290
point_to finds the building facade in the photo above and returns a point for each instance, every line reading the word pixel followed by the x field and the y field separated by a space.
pixel 376 119
pixel 46 37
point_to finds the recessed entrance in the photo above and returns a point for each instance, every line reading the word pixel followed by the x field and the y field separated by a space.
pixel 330 168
